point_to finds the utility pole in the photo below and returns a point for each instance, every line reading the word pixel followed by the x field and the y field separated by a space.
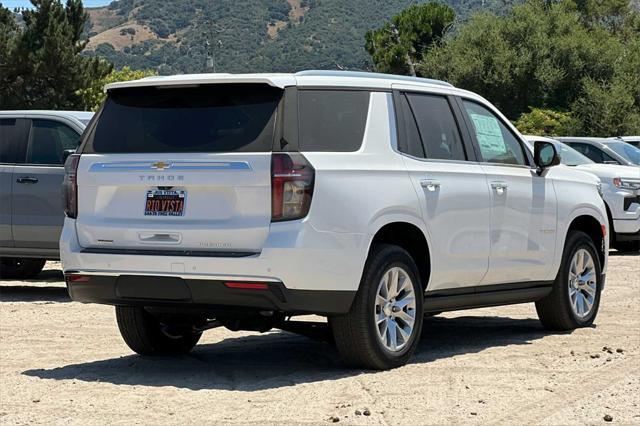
pixel 211 46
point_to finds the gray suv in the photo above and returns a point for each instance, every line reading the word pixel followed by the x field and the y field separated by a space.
pixel 33 148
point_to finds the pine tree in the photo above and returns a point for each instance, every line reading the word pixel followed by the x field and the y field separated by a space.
pixel 400 44
pixel 45 67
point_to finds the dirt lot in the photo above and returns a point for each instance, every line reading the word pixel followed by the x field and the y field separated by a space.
pixel 64 362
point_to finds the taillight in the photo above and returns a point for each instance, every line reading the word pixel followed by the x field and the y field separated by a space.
pixel 70 186
pixel 291 186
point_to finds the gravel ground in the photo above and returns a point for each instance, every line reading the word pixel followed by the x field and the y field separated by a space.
pixel 63 362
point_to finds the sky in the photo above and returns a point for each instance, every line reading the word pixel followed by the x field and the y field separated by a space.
pixel 26 3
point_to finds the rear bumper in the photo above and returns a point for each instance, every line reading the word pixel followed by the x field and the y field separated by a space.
pixel 316 272
pixel 177 292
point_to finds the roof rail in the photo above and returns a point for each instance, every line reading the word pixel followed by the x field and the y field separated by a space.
pixel 364 74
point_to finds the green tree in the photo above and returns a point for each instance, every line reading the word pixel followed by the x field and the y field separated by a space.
pixel 401 43
pixel 555 55
pixel 8 30
pixel 535 56
pixel 93 96
pixel 45 68
pixel 546 122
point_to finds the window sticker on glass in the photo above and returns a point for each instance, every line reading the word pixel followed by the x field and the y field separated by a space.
pixel 489 135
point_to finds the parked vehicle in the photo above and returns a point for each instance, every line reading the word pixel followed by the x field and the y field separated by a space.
pixel 33 148
pixel 621 192
pixel 633 140
pixel 241 200
pixel 606 151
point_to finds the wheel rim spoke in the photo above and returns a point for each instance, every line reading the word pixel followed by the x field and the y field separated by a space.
pixel 393 338
pixel 406 317
pixel 406 302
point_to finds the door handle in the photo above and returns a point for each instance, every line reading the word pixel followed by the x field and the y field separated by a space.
pixel 27 179
pixel 500 187
pixel 430 184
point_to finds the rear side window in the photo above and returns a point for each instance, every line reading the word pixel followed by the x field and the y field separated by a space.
pixel 332 120
pixel 13 139
pixel 437 126
pixel 593 153
pixel 207 118
pixel 49 140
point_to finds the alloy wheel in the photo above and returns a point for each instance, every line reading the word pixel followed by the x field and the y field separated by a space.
pixel 395 309
pixel 582 283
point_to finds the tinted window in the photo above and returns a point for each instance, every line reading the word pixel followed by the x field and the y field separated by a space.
pixel 332 120
pixel 409 141
pixel 208 118
pixel 13 140
pixel 437 126
pixel 570 156
pixel 626 150
pixel 593 153
pixel 49 139
pixel 497 143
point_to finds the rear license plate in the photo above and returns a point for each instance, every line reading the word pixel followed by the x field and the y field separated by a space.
pixel 161 202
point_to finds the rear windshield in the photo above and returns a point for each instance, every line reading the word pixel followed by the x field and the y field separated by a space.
pixel 208 118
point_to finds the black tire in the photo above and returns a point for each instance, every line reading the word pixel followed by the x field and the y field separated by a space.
pixel 627 246
pixel 20 267
pixel 355 333
pixel 145 335
pixel 554 310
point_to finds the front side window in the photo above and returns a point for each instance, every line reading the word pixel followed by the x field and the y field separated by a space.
pixel 332 120
pixel 497 143
pixel 437 127
pixel 49 140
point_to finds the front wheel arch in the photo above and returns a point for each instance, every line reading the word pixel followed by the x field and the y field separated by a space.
pixel 593 228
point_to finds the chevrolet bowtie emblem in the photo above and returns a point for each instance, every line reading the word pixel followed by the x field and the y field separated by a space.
pixel 160 165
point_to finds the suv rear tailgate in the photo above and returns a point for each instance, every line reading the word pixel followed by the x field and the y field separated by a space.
pixel 184 168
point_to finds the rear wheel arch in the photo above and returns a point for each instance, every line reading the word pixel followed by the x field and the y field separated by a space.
pixel 412 239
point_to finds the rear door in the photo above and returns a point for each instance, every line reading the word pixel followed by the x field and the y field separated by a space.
pixel 451 187
pixel 184 169
pixel 13 142
pixel 37 209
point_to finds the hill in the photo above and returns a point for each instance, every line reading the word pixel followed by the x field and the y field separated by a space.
pixel 246 35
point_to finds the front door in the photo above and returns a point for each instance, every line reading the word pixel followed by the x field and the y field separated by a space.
pixel 523 204
pixel 453 191
pixel 37 210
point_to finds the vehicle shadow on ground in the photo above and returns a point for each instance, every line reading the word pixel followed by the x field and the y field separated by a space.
pixel 623 253
pixel 280 359
pixel 32 290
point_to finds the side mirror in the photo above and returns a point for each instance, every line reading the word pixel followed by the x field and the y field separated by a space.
pixel 545 155
pixel 66 153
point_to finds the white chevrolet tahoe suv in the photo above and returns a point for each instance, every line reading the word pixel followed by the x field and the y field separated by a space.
pixel 242 200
